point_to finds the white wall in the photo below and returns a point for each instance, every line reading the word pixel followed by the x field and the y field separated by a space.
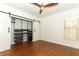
pixel 16 12
pixel 4 34
pixel 52 28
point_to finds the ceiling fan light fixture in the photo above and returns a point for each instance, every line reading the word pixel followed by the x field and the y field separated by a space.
pixel 42 7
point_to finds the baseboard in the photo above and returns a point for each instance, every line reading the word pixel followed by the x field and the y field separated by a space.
pixel 69 43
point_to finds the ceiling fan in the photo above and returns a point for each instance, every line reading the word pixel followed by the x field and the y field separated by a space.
pixel 42 6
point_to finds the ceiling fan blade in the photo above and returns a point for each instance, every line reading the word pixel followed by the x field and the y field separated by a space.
pixel 36 4
pixel 50 4
pixel 40 11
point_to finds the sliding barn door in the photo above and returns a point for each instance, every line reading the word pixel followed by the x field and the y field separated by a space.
pixel 4 32
pixel 36 31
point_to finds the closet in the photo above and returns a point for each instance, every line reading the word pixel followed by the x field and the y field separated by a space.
pixel 21 30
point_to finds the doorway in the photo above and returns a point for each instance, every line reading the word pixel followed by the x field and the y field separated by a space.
pixel 21 30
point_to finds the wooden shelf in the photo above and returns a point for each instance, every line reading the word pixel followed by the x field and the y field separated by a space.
pixel 20 33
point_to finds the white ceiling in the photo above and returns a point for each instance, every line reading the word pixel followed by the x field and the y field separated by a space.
pixel 34 10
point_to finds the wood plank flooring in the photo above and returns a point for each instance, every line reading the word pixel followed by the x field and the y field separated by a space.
pixel 40 48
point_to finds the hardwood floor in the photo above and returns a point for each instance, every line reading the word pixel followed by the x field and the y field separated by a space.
pixel 40 48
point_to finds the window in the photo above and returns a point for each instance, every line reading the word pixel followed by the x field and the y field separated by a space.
pixel 71 29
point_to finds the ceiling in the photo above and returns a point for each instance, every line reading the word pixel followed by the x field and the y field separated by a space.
pixel 34 10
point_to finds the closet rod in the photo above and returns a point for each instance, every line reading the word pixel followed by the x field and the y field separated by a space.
pixel 19 16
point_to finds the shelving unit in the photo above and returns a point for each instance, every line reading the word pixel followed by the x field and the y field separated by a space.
pixel 22 30
pixel 21 34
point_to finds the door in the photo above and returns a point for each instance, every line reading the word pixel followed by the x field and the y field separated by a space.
pixel 5 41
pixel 12 30
pixel 36 31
